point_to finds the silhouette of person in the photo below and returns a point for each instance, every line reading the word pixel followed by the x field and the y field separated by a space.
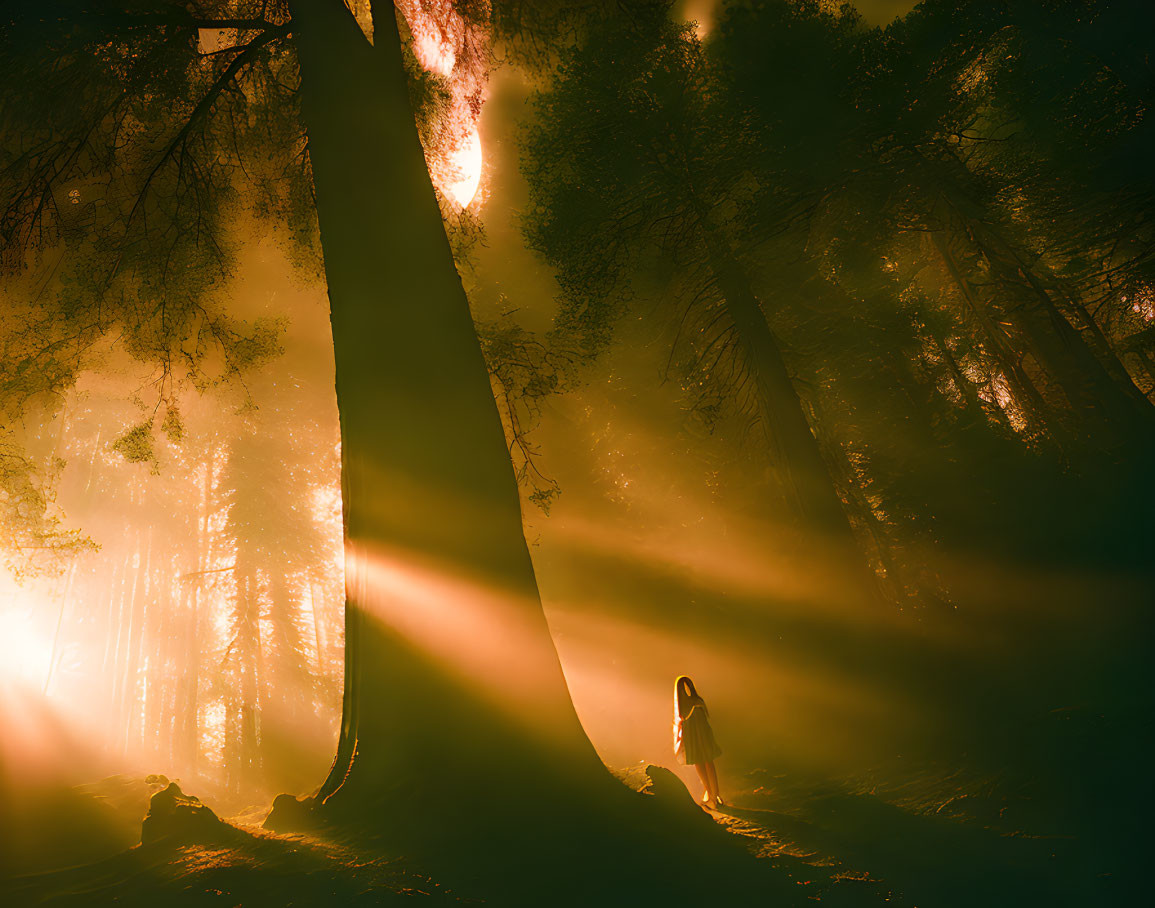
pixel 694 742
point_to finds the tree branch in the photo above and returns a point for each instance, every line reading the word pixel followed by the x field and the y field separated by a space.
pixel 202 109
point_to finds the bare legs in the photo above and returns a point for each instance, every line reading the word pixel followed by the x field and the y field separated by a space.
pixel 705 777
pixel 709 776
pixel 713 774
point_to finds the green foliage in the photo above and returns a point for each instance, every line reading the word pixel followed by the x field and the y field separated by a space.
pixel 119 213
pixel 524 372
pixel 172 426
pixel 604 189
pixel 534 33
pixel 135 445
pixel 943 222
pixel 138 170
pixel 33 537
pixel 245 351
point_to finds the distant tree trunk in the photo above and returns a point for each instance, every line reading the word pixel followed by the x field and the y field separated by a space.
pixel 160 621
pixel 808 485
pixel 248 657
pixel 189 700
pixel 65 598
pixel 965 386
pixel 1022 387
pixel 1101 344
pixel 118 630
pixel 286 709
pixel 429 491
pixel 1116 417
pixel 142 593
pixel 91 471
pixel 1148 362
pixel 888 572
pixel 128 667
pixel 112 630
pixel 186 729
pixel 282 644
pixel 320 638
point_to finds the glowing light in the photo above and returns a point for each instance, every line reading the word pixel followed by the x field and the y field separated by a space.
pixel 432 51
pixel 213 731
pixel 466 159
pixel 445 44
pixel 701 13
pixel 485 634
pixel 24 652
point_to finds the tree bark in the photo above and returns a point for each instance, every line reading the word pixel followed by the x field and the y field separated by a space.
pixel 1116 418
pixel 1021 384
pixel 434 540
pixel 1102 345
pixel 808 485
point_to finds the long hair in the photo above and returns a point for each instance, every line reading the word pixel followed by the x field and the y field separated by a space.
pixel 686 697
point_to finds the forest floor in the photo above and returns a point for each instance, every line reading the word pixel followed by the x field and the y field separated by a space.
pixel 936 841
pixel 848 846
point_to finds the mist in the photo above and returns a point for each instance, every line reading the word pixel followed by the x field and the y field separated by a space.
pixel 249 554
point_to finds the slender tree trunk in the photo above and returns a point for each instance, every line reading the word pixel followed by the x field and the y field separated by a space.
pixel 112 629
pixel 1148 361
pixel 153 652
pixel 167 646
pixel 133 592
pixel 434 540
pixel 1115 417
pixel 809 487
pixel 117 632
pixel 1102 370
pixel 1021 384
pixel 190 680
pixel 1101 344
pixel 186 729
pixel 54 657
pixel 320 640
pixel 890 578
pixel 917 394
pixel 247 631
pixel 965 386
pixel 131 699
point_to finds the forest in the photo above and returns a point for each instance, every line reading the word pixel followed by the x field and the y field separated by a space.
pixel 401 400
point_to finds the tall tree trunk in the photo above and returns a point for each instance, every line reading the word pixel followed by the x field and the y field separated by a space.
pixel 124 694
pixel 449 658
pixel 1022 386
pixel 808 485
pixel 247 631
pixel 320 640
pixel 1102 345
pixel 192 599
pixel 156 646
pixel 350 707
pixel 1116 417
pixel 965 386
pixel 65 598
pixel 186 728
pixel 132 699
pixel 117 632
pixel 112 628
